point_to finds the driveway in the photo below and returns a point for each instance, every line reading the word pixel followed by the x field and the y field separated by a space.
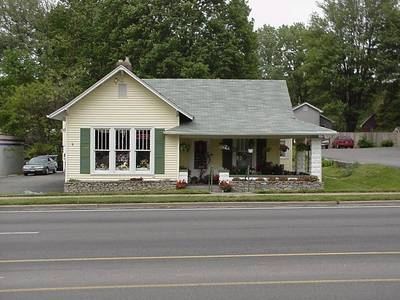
pixel 32 184
pixel 389 156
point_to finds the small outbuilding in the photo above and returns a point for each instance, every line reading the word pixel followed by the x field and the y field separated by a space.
pixel 11 155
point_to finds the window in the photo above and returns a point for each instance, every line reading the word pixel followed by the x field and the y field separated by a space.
pixel 122 149
pixel 102 149
pixel 143 147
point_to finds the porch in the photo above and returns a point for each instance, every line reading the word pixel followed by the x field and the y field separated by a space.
pixel 205 160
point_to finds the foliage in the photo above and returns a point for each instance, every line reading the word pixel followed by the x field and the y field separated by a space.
pixel 282 53
pixel 50 51
pixel 225 186
pixel 365 143
pixel 181 184
pixel 387 143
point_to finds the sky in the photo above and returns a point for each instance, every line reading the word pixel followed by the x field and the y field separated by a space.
pixel 279 12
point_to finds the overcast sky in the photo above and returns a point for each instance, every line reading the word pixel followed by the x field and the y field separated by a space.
pixel 279 12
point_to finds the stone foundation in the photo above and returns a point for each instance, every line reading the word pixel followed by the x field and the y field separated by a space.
pixel 122 186
pixel 256 186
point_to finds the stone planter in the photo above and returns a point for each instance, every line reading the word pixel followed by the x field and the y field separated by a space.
pixel 184 175
pixel 223 176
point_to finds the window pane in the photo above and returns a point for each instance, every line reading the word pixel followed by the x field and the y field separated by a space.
pixel 122 160
pixel 101 139
pixel 102 160
pixel 122 139
pixel 143 139
pixel 143 160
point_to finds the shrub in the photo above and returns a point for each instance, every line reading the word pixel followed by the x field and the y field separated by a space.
pixel 181 184
pixel 194 180
pixel 365 143
pixel 387 143
pixel 327 163
pixel 225 186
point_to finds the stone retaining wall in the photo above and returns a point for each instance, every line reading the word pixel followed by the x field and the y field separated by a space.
pixel 122 186
pixel 253 185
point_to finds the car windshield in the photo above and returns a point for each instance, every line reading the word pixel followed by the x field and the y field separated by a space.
pixel 37 161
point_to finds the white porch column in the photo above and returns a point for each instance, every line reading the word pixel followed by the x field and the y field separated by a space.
pixel 300 162
pixel 316 158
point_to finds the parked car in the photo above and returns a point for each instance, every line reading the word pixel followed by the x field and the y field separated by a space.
pixel 343 142
pixel 53 157
pixel 40 165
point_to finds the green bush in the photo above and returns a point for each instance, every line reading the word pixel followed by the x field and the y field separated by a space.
pixel 365 143
pixel 387 143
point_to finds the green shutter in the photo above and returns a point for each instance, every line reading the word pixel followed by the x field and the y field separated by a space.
pixel 159 154
pixel 85 151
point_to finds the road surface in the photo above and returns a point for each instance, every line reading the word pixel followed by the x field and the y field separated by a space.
pixel 270 253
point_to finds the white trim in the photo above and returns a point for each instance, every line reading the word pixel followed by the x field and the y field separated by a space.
pixel 308 104
pixel 58 114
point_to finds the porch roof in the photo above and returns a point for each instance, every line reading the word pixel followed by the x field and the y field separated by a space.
pixel 234 107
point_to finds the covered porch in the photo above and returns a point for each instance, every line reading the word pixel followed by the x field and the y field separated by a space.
pixel 205 159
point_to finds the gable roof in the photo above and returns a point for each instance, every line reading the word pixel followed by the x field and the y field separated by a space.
pixel 60 113
pixel 234 107
pixel 307 104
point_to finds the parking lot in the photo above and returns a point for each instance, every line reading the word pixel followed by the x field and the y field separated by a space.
pixel 32 184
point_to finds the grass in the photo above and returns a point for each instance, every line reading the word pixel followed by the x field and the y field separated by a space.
pixel 361 178
pixel 182 198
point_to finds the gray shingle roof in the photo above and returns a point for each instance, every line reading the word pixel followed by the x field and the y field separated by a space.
pixel 226 107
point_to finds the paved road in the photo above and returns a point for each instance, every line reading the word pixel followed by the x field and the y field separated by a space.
pixel 32 184
pixel 285 253
pixel 389 156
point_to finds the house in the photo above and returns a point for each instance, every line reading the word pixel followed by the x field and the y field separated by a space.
pixel 369 124
pixel 143 131
pixel 11 155
pixel 310 113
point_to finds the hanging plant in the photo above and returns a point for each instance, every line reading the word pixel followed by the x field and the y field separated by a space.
pixel 302 147
pixel 184 147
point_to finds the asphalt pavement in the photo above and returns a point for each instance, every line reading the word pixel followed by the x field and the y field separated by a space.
pixel 32 184
pixel 389 156
pixel 257 253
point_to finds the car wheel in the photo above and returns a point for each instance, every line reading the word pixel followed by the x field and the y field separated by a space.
pixel 46 171
pixel 25 174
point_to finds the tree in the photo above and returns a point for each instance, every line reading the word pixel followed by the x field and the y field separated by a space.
pixel 282 54
pixel 341 64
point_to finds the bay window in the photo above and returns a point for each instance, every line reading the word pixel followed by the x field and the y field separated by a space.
pixel 122 150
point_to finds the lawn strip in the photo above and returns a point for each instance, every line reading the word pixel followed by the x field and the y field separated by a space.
pixel 196 198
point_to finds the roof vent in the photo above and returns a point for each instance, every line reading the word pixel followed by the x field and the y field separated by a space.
pixel 126 63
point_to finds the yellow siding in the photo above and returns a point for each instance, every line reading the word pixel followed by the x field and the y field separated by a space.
pixel 273 153
pixel 103 108
pixel 216 158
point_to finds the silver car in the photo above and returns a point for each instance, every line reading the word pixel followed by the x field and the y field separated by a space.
pixel 40 165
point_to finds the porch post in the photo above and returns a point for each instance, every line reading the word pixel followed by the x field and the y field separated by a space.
pixel 300 159
pixel 316 158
